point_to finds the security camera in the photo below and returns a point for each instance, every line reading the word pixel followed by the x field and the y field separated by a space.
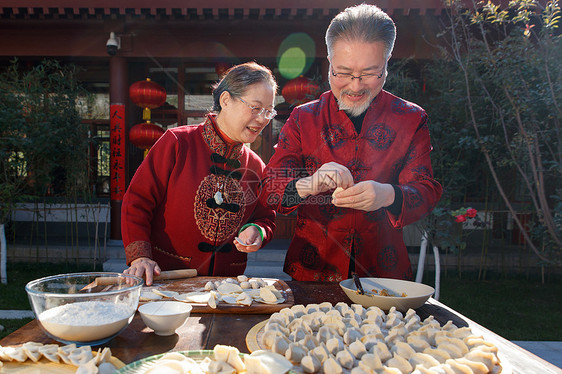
pixel 113 44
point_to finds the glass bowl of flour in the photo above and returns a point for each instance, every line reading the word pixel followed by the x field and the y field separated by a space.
pixel 69 313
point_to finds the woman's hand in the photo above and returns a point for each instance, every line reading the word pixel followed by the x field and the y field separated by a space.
pixel 145 268
pixel 248 240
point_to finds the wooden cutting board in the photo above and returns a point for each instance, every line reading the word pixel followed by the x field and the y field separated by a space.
pixel 198 284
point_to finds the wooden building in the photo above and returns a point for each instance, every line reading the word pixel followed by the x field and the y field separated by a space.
pixel 183 46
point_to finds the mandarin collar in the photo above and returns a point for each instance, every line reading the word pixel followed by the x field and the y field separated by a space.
pixel 218 141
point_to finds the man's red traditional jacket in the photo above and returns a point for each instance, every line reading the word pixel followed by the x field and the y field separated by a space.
pixel 170 213
pixel 393 147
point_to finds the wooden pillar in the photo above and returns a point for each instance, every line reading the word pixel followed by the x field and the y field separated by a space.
pixel 118 97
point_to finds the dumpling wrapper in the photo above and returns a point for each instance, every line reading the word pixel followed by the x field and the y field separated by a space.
pixel 228 288
pixel 195 297
pixel 149 296
pixel 164 293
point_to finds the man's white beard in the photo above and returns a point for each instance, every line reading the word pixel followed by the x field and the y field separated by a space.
pixel 354 111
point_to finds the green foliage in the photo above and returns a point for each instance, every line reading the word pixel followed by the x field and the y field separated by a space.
pixel 42 137
pixel 497 87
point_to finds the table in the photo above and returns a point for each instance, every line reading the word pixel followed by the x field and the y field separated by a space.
pixel 204 331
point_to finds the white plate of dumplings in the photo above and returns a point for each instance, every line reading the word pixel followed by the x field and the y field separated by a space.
pixel 321 338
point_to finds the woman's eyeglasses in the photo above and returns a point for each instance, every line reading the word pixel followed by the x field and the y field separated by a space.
pixel 258 111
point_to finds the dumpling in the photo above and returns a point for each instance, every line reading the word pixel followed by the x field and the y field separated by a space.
pixel 403 350
pixel 370 361
pixel 357 349
pixel 422 359
pixel 390 370
pixel 299 334
pixel 273 325
pixel 341 307
pixel 360 370
pixel 392 320
pixel 270 336
pixel 295 353
pixel 380 349
pixel 325 333
pixel 31 349
pixel 417 343
pixel 106 368
pixel 311 308
pixel 456 342
pixel 219 367
pixel 459 367
pixel 394 335
pixel 400 363
pixel 371 329
pixel 352 335
pixel 345 359
pixel 331 366
pixel 15 354
pixel 487 358
pixel 453 350
pixel 325 307
pixel 461 333
pixel 334 345
pixel 299 310
pixel 89 367
pixel 369 341
pixel 265 362
pixel 476 367
pixel 309 342
pixel 321 353
pixel 359 310
pixel 280 345
pixel 50 352
pixel 310 364
pixel 439 354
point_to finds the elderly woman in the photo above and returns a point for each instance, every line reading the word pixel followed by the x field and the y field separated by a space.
pixel 193 202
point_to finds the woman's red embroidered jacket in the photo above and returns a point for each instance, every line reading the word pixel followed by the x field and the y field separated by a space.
pixel 169 211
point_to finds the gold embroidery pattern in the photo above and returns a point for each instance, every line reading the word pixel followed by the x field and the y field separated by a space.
pixel 215 142
pixel 187 259
pixel 217 225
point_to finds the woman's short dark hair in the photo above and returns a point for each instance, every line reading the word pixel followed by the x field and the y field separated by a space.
pixel 237 79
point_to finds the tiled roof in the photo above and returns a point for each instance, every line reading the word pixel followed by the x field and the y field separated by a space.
pixel 204 9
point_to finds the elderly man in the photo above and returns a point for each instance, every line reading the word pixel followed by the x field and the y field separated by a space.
pixel 355 163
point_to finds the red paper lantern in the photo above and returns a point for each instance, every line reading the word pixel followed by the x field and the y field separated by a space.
pixel 300 90
pixel 148 95
pixel 145 134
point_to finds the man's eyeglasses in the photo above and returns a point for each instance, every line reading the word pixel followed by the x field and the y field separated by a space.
pixel 257 111
pixel 362 77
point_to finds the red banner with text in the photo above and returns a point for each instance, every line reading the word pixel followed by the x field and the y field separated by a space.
pixel 117 149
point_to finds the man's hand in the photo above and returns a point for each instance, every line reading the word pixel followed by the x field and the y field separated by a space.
pixel 326 178
pixel 144 267
pixel 367 195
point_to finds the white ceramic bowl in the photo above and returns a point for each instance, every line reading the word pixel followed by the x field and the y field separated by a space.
pixel 416 293
pixel 69 314
pixel 164 317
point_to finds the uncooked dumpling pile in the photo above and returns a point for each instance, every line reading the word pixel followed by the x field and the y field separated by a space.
pixel 225 360
pixel 241 291
pixel 321 338
pixel 82 357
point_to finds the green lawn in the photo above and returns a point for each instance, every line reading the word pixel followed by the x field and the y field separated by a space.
pixel 514 307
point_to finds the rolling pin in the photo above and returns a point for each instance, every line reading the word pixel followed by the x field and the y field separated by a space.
pixel 168 274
